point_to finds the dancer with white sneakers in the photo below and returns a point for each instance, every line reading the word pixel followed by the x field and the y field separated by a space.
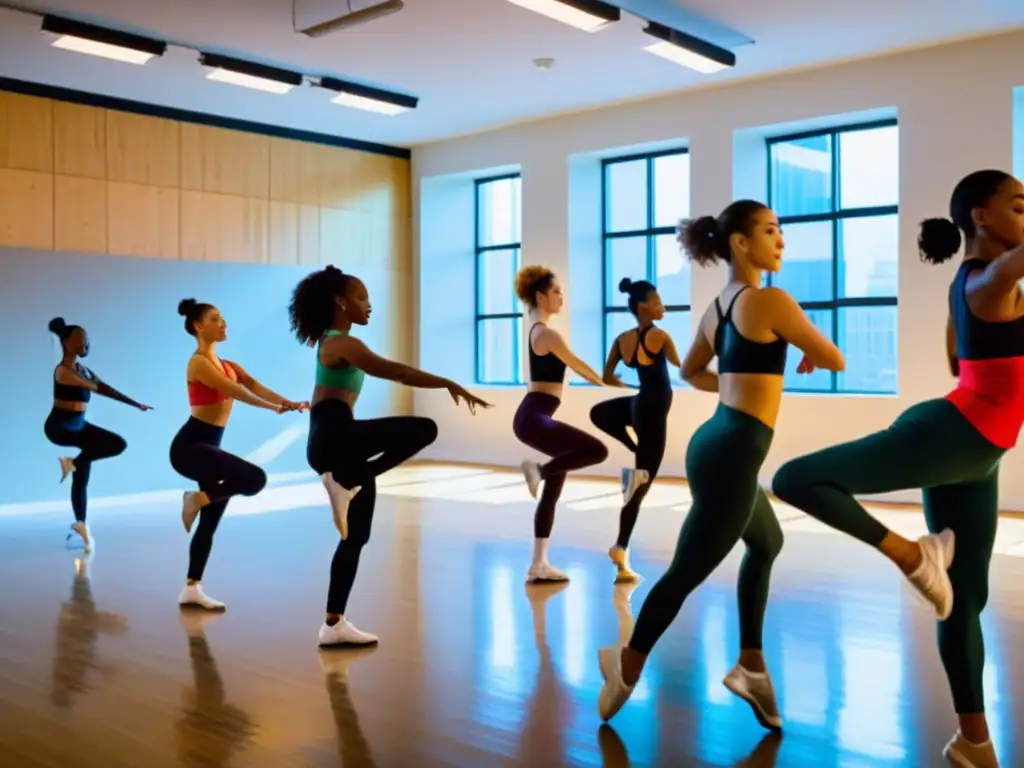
pixel 213 386
pixel 646 349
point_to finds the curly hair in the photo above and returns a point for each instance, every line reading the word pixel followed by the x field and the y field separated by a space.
pixel 533 280
pixel 311 310
pixel 940 239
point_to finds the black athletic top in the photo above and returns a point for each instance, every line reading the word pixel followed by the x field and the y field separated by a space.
pixel 654 376
pixel 547 368
pixel 737 354
pixel 72 392
pixel 978 339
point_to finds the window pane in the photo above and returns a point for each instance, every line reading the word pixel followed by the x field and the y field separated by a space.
pixel 499 207
pixel 671 189
pixel 498 350
pixel 869 256
pixel 615 323
pixel 496 273
pixel 806 272
pixel 673 271
pixel 869 167
pixel 626 257
pixel 626 196
pixel 820 380
pixel 867 337
pixel 801 172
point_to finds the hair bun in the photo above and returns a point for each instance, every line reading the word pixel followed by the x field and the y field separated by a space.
pixel 57 325
pixel 330 269
pixel 939 240
pixel 625 284
pixel 185 306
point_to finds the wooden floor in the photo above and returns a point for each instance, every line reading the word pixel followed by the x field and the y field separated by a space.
pixel 100 668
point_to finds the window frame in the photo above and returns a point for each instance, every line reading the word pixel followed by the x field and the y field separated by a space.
pixel 650 232
pixel 480 252
pixel 835 216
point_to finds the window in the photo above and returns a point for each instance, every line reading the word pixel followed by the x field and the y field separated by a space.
pixel 644 198
pixel 836 194
pixel 498 313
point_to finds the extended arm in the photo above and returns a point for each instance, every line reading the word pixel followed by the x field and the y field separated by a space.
pixel 614 356
pixel 71 378
pixel 556 346
pixel 203 370
pixel 342 349
pixel 247 381
pixel 791 323
pixel 102 388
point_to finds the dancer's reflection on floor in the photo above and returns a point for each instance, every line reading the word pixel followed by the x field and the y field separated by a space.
pixel 79 626
pixel 353 747
pixel 210 731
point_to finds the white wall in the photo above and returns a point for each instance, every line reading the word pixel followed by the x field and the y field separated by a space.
pixel 955 111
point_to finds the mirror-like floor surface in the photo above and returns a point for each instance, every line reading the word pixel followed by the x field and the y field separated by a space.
pixel 98 667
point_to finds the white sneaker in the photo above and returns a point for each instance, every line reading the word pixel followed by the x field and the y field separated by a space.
pixel 756 689
pixel 931 578
pixel 84 533
pixel 340 497
pixel 615 692
pixel 963 754
pixel 632 479
pixel 189 509
pixel 345 633
pixel 67 466
pixel 192 596
pixel 624 574
pixel 531 471
pixel 544 572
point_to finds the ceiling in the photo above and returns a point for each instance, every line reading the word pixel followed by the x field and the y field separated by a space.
pixel 469 61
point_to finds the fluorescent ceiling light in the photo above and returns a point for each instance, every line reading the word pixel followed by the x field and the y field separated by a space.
pixel 688 51
pixel 98 41
pixel 588 15
pixel 249 75
pixel 352 18
pixel 371 99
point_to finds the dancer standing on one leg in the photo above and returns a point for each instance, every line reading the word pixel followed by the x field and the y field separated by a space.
pixel 73 385
pixel 949 447
pixel 534 424
pixel 213 387
pixel 648 350
pixel 726 452
pixel 349 453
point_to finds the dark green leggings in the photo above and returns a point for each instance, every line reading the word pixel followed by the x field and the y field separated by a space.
pixel 722 461
pixel 933 447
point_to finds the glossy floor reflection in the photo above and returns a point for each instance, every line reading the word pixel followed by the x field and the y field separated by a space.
pixel 98 667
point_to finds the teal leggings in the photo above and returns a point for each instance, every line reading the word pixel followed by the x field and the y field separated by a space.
pixel 933 447
pixel 722 461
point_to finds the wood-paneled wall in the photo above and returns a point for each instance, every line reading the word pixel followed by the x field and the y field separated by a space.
pixel 82 178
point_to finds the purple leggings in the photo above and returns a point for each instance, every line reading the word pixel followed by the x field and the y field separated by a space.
pixel 568 447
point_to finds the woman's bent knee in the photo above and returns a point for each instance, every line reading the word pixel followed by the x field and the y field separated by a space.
pixel 255 482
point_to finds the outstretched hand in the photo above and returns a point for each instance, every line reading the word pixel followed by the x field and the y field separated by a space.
pixel 472 401
pixel 805 366
pixel 144 408
pixel 288 405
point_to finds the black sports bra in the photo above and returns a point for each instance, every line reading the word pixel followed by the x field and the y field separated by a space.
pixel 978 339
pixel 545 368
pixel 737 354
pixel 72 393
pixel 654 376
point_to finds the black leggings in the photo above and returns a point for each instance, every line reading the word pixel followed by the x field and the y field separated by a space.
pixel 196 454
pixel 69 428
pixel 648 415
pixel 355 452
pixel 569 448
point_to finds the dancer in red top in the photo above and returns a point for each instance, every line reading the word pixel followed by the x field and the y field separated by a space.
pixel 213 387
pixel 950 447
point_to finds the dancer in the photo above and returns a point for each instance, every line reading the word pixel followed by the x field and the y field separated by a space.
pixel 534 424
pixel 349 453
pixel 648 350
pixel 73 385
pixel 949 447
pixel 726 452
pixel 213 387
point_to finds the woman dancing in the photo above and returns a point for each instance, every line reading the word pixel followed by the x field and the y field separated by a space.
pixel 648 350
pixel 349 453
pixel 534 423
pixel 949 447
pixel 73 385
pixel 726 452
pixel 213 387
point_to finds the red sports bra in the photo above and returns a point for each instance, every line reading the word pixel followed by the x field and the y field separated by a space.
pixel 200 394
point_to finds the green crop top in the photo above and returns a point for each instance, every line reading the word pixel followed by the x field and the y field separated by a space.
pixel 348 378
